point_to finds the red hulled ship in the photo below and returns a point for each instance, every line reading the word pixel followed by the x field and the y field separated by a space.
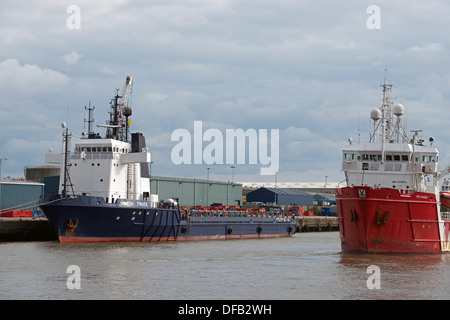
pixel 392 202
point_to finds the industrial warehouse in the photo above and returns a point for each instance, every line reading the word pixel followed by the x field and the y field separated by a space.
pixel 19 195
pixel 281 196
pixel 196 192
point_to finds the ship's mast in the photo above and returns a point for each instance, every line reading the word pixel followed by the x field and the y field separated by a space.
pixel 391 131
pixel 90 120
pixel 414 142
pixel 117 128
pixel 385 117
pixel 66 182
pixel 115 120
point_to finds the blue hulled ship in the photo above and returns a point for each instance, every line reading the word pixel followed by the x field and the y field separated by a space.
pixel 105 195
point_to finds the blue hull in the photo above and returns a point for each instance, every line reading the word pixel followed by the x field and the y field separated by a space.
pixel 90 219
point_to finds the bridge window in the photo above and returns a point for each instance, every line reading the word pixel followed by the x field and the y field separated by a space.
pixel 349 156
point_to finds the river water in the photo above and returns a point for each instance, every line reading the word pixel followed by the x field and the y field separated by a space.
pixel 305 266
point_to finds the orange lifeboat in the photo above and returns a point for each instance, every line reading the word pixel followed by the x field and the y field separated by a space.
pixel 445 199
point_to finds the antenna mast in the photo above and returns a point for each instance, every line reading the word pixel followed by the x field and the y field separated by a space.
pixel 90 119
pixel 386 117
pixel 67 182
pixel 117 127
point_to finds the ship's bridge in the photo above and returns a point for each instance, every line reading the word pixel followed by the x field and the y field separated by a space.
pixel 100 149
pixel 364 164
pixel 369 156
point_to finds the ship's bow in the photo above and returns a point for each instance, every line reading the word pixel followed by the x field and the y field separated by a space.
pixel 387 220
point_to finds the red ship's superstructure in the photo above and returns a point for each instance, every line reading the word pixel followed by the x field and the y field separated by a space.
pixel 391 202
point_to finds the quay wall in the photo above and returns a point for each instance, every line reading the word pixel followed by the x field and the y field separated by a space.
pixel 316 223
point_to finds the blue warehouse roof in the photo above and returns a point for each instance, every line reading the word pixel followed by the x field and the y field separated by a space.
pixel 289 191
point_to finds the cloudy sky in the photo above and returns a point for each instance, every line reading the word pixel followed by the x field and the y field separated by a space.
pixel 311 69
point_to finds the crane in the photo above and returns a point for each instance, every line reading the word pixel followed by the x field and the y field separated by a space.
pixel 117 127
pixel 123 108
pixel 125 95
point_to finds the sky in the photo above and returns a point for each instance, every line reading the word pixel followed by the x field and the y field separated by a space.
pixel 310 69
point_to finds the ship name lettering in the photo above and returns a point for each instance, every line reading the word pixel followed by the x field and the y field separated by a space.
pixel 126 203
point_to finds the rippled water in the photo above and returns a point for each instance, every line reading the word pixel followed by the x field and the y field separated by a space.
pixel 305 266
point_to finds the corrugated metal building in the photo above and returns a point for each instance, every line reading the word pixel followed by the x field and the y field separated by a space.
pixel 20 194
pixel 196 192
pixel 281 196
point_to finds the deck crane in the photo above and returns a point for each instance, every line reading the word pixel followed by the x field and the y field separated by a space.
pixel 117 127
pixel 124 109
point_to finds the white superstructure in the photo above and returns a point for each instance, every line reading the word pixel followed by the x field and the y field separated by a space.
pixel 390 159
pixel 106 167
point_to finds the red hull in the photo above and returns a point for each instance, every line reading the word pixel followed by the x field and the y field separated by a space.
pixel 386 220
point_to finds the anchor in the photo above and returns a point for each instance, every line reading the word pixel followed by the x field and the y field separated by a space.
pixel 380 219
pixel 354 217
pixel 71 226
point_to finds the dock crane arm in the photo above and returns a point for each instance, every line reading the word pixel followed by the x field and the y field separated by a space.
pixel 439 175
pixel 126 92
